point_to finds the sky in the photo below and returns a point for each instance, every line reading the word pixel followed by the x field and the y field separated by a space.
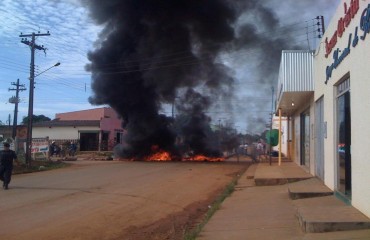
pixel 73 33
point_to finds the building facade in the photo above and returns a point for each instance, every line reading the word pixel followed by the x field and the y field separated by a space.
pixel 330 126
pixel 95 129
pixel 342 90
pixel 295 94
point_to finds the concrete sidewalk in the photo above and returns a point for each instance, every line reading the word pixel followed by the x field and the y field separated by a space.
pixel 267 212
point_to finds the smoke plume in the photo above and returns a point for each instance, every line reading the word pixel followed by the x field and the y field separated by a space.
pixel 152 53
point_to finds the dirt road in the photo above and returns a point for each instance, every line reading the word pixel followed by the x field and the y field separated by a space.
pixel 111 200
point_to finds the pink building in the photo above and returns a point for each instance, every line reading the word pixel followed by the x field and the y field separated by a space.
pixel 110 124
pixel 96 129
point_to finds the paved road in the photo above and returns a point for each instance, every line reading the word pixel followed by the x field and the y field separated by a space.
pixel 108 200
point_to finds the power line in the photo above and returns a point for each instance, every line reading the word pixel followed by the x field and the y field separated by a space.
pixel 185 54
pixel 184 63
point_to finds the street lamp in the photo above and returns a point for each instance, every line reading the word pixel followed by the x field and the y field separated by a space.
pixel 55 65
pixel 30 111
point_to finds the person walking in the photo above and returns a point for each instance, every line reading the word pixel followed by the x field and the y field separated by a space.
pixel 259 150
pixel 6 164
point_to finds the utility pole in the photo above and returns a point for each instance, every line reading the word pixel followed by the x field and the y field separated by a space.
pixel 19 87
pixel 33 46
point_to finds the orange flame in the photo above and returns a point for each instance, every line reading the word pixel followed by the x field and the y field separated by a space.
pixel 202 158
pixel 159 156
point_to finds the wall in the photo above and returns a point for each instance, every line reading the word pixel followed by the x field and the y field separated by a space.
pixel 110 121
pixel 90 114
pixel 111 125
pixel 60 132
pixel 297 139
pixel 284 136
pixel 355 65
pixel 312 137
pixel 296 149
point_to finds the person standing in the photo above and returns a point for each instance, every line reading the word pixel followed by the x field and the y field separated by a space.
pixel 6 164
pixel 72 149
pixel 52 149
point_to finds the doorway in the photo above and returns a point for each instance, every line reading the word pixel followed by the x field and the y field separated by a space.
pixel 305 138
pixel 343 146
pixel 89 141
pixel 104 141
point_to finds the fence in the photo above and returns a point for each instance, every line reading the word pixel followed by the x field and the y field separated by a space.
pixel 40 146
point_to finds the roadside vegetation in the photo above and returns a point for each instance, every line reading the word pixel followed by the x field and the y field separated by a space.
pixel 40 164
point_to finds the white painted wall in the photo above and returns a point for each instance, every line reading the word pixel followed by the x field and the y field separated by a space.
pixel 312 137
pixel 60 132
pixel 297 138
pixel 357 66
pixel 284 136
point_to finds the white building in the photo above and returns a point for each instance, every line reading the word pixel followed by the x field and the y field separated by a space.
pixel 330 118
pixel 295 94
pixel 342 90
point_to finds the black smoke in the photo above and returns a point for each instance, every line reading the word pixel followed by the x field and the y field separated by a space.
pixel 152 53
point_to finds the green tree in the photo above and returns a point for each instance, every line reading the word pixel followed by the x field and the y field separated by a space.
pixel 36 118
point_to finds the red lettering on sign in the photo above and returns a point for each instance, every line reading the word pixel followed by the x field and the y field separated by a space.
pixel 343 23
pixel 331 44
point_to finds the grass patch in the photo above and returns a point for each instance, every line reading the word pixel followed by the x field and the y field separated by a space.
pixel 191 235
pixel 37 166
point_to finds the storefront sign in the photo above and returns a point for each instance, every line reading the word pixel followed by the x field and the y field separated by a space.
pixel 365 22
pixel 343 23
pixel 340 55
pixel 39 145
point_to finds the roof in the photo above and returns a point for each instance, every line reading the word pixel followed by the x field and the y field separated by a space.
pixel 89 114
pixel 72 123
